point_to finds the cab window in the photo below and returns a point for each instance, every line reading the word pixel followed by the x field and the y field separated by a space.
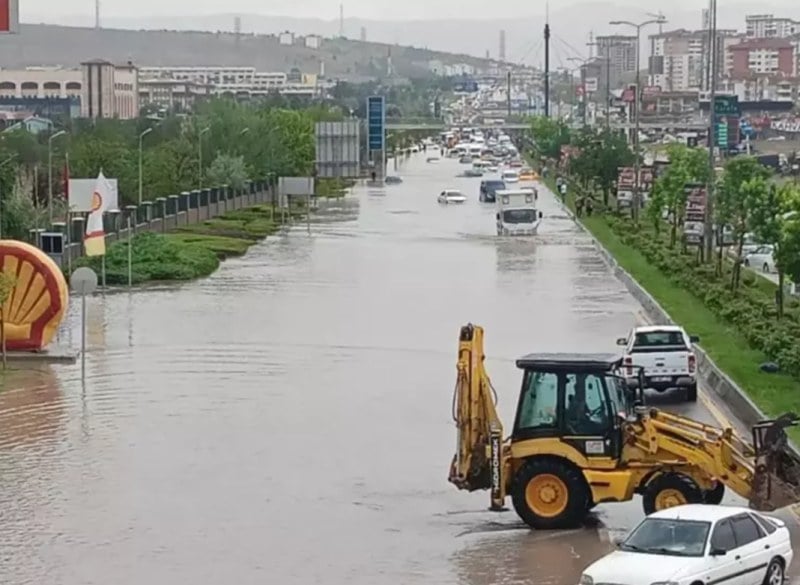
pixel 745 529
pixel 539 402
pixel 586 410
pixel 618 393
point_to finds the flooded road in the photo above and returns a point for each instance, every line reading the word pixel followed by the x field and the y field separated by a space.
pixel 288 419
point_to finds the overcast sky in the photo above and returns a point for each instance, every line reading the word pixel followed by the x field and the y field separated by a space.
pixel 329 9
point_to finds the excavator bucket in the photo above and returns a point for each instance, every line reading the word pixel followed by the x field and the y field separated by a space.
pixel 777 465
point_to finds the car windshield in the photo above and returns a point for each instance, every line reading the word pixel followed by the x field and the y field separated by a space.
pixel 659 339
pixel 519 216
pixel 662 536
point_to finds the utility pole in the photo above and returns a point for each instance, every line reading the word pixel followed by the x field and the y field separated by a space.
pixel 637 196
pixel 508 92
pixel 708 234
pixel 547 69
pixel 607 60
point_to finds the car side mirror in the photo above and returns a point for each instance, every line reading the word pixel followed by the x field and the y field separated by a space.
pixel 717 552
pixel 694 338
pixel 622 341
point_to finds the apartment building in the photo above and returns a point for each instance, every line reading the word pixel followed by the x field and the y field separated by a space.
pixel 679 58
pixel 764 56
pixel 765 26
pixel 619 51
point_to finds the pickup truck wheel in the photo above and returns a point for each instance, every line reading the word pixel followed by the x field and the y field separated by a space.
pixel 714 496
pixel 669 490
pixel 549 494
pixel 691 392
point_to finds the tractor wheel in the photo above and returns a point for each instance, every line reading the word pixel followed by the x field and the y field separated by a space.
pixel 668 490
pixel 715 495
pixel 548 494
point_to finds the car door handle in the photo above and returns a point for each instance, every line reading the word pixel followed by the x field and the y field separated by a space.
pixel 766 546
pixel 738 558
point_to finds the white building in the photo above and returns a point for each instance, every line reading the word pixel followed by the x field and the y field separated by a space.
pixel 286 38
pixel 313 41
pixel 109 91
pixel 762 26
pixel 41 82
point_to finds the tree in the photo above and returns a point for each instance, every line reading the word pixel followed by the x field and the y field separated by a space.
pixel 770 212
pixel 228 170
pixel 601 156
pixel 549 135
pixel 686 165
pixel 744 181
pixel 7 284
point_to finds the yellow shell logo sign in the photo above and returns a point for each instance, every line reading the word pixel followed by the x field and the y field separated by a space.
pixel 97 201
pixel 37 305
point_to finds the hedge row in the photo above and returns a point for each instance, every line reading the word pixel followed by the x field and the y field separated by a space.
pixel 751 309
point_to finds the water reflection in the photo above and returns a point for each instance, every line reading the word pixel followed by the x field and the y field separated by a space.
pixel 31 408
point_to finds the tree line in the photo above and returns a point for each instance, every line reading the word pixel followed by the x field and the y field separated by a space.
pixel 222 142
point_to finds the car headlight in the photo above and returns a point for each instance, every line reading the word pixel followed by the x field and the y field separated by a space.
pixel 586 580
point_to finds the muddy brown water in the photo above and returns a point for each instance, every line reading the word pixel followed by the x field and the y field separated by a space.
pixel 287 420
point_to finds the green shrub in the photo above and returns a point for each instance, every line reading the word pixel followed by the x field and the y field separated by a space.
pixel 751 310
pixel 154 257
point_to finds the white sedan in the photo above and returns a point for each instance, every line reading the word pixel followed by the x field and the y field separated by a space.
pixel 698 543
pixel 450 196
pixel 762 258
pixel 510 176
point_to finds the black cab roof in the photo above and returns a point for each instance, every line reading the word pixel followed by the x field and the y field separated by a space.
pixel 575 362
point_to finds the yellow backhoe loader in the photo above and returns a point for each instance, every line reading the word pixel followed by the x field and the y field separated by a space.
pixel 580 438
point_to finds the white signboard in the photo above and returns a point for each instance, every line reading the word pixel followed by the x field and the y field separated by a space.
pixel 591 85
pixel 80 195
pixel 294 187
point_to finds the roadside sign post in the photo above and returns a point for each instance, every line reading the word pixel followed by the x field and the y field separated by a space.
pixel 130 254
pixel 376 128
pixel 84 282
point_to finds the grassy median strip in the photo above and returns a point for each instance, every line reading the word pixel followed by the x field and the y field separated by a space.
pixel 775 394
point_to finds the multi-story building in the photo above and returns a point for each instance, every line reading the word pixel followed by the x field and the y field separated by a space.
pixel 108 90
pixel 764 26
pixel 620 52
pixel 766 56
pixel 41 82
pixel 759 88
pixel 679 58
pixel 171 94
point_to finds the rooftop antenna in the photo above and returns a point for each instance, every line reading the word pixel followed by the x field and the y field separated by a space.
pixel 96 13
pixel 237 28
pixel 547 60
pixel 659 16
pixel 341 20
pixel 591 44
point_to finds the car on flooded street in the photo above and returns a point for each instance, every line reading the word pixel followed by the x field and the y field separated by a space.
pixel 697 544
pixel 451 196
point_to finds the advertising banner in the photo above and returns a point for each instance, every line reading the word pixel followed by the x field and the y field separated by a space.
pixel 695 214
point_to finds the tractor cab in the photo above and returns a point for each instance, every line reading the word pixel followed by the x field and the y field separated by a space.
pixel 576 399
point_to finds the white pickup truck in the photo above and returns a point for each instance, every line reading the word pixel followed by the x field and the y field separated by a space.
pixel 665 354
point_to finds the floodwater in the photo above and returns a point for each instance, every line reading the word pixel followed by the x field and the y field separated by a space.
pixel 287 420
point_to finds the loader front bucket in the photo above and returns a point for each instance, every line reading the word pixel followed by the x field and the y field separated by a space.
pixel 776 483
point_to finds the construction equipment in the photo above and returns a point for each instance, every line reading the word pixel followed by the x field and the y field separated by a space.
pixel 580 438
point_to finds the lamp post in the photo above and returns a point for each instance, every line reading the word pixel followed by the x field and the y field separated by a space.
pixel 2 164
pixel 584 63
pixel 200 157
pixel 50 173
pixel 141 161
pixel 637 203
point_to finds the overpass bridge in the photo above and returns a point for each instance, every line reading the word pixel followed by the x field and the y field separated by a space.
pixel 400 126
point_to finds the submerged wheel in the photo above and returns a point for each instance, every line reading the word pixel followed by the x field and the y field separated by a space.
pixel 549 494
pixel 669 490
pixel 714 496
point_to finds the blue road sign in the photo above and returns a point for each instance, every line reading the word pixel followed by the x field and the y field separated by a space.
pixel 376 122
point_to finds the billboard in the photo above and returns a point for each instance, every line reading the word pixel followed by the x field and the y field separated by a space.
pixel 591 85
pixel 338 149
pixel 9 16
pixel 376 122
pixel 695 214
pixel 80 195
pixel 289 187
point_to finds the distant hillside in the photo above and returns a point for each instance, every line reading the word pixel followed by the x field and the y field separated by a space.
pixel 39 44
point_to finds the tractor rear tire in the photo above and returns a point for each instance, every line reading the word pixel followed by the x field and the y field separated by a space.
pixel 668 490
pixel 550 494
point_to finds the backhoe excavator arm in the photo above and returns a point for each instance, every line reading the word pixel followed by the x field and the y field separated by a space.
pixel 766 474
pixel 481 457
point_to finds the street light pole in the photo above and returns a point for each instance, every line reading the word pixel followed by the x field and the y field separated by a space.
pixel 200 157
pixel 141 161
pixel 708 231
pixel 637 203
pixel 2 164
pixel 50 173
